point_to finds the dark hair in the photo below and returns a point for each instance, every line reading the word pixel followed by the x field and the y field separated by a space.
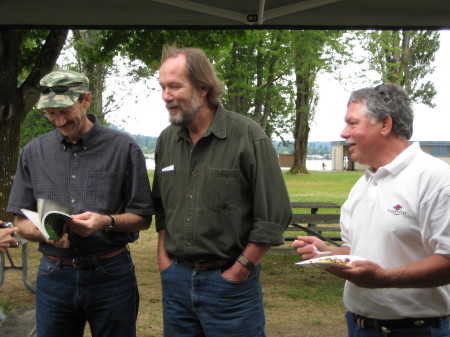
pixel 81 98
pixel 199 70
pixel 387 100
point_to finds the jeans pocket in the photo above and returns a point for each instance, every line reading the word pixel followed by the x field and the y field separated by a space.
pixel 118 265
pixel 47 266
pixel 167 268
pixel 252 276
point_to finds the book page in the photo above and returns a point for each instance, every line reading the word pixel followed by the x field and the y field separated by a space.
pixel 46 206
pixel 34 218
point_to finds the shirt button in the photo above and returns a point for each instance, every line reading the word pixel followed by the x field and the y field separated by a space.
pixel 73 201
pixel 188 219
pixel 73 176
pixel 75 154
pixel 375 184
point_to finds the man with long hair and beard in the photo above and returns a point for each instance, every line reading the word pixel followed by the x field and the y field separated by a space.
pixel 220 202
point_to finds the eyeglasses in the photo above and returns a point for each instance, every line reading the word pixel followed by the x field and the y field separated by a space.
pixel 378 86
pixel 58 89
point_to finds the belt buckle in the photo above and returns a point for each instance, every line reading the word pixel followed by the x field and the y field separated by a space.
pixel 385 330
pixel 78 262
pixel 361 322
pixel 419 322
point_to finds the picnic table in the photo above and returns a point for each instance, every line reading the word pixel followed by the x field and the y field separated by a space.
pixel 23 244
pixel 329 221
pixel 23 268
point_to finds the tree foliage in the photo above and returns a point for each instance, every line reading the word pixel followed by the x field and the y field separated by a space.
pixel 89 56
pixel 250 63
pixel 255 70
pixel 269 75
pixel 405 58
pixel 34 125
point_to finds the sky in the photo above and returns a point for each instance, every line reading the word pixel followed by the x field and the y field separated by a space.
pixel 143 112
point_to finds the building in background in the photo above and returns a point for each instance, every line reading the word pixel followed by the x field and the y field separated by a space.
pixel 340 156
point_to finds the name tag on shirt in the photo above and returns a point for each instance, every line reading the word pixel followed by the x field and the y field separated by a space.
pixel 168 168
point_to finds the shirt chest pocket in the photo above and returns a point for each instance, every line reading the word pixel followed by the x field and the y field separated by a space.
pixel 222 189
pixel 102 190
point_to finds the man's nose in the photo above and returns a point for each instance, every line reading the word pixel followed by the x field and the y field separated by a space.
pixel 59 120
pixel 344 133
pixel 166 95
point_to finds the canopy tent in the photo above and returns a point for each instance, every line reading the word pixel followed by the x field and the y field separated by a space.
pixel 230 14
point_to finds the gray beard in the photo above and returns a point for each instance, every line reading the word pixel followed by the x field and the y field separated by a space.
pixel 188 114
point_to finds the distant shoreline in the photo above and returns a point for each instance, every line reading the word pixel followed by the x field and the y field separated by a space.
pixel 314 165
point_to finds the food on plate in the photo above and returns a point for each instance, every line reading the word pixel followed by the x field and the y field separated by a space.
pixel 340 261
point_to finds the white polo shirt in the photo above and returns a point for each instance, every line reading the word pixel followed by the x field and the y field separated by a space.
pixel 396 216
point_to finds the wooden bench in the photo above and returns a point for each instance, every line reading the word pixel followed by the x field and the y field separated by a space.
pixel 309 222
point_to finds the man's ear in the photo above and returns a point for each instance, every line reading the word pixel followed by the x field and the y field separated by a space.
pixel 386 126
pixel 203 92
pixel 87 100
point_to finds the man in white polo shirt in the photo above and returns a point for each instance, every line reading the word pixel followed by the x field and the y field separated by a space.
pixel 397 217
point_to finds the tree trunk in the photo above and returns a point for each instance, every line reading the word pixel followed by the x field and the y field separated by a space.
pixel 260 60
pixel 301 129
pixel 234 104
pixel 85 46
pixel 406 61
pixel 96 74
pixel 272 59
pixel 10 134
pixel 15 101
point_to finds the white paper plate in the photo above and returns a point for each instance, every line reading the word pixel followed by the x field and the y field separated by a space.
pixel 331 260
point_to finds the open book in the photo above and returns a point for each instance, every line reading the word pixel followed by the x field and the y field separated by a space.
pixel 50 218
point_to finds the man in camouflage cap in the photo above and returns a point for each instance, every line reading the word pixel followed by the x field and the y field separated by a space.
pixel 88 274
pixel 61 89
pixel 65 97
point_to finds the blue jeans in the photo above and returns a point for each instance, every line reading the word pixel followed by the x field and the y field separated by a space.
pixel 355 331
pixel 203 303
pixel 107 297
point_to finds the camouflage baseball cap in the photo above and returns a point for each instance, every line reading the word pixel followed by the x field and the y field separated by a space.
pixel 62 88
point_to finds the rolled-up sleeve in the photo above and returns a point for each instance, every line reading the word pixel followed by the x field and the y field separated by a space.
pixel 272 207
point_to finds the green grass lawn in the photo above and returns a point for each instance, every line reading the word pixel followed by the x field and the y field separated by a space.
pixel 321 186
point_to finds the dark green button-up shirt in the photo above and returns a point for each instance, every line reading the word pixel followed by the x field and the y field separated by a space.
pixel 227 190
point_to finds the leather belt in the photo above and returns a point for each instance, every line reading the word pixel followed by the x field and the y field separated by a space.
pixel 87 261
pixel 385 326
pixel 203 264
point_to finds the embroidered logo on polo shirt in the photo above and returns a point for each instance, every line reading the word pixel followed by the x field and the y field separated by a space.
pixel 397 210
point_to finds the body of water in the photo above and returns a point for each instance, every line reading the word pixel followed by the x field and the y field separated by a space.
pixel 314 165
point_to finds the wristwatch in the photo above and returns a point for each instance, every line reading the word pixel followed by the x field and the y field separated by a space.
pixel 245 262
pixel 112 225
